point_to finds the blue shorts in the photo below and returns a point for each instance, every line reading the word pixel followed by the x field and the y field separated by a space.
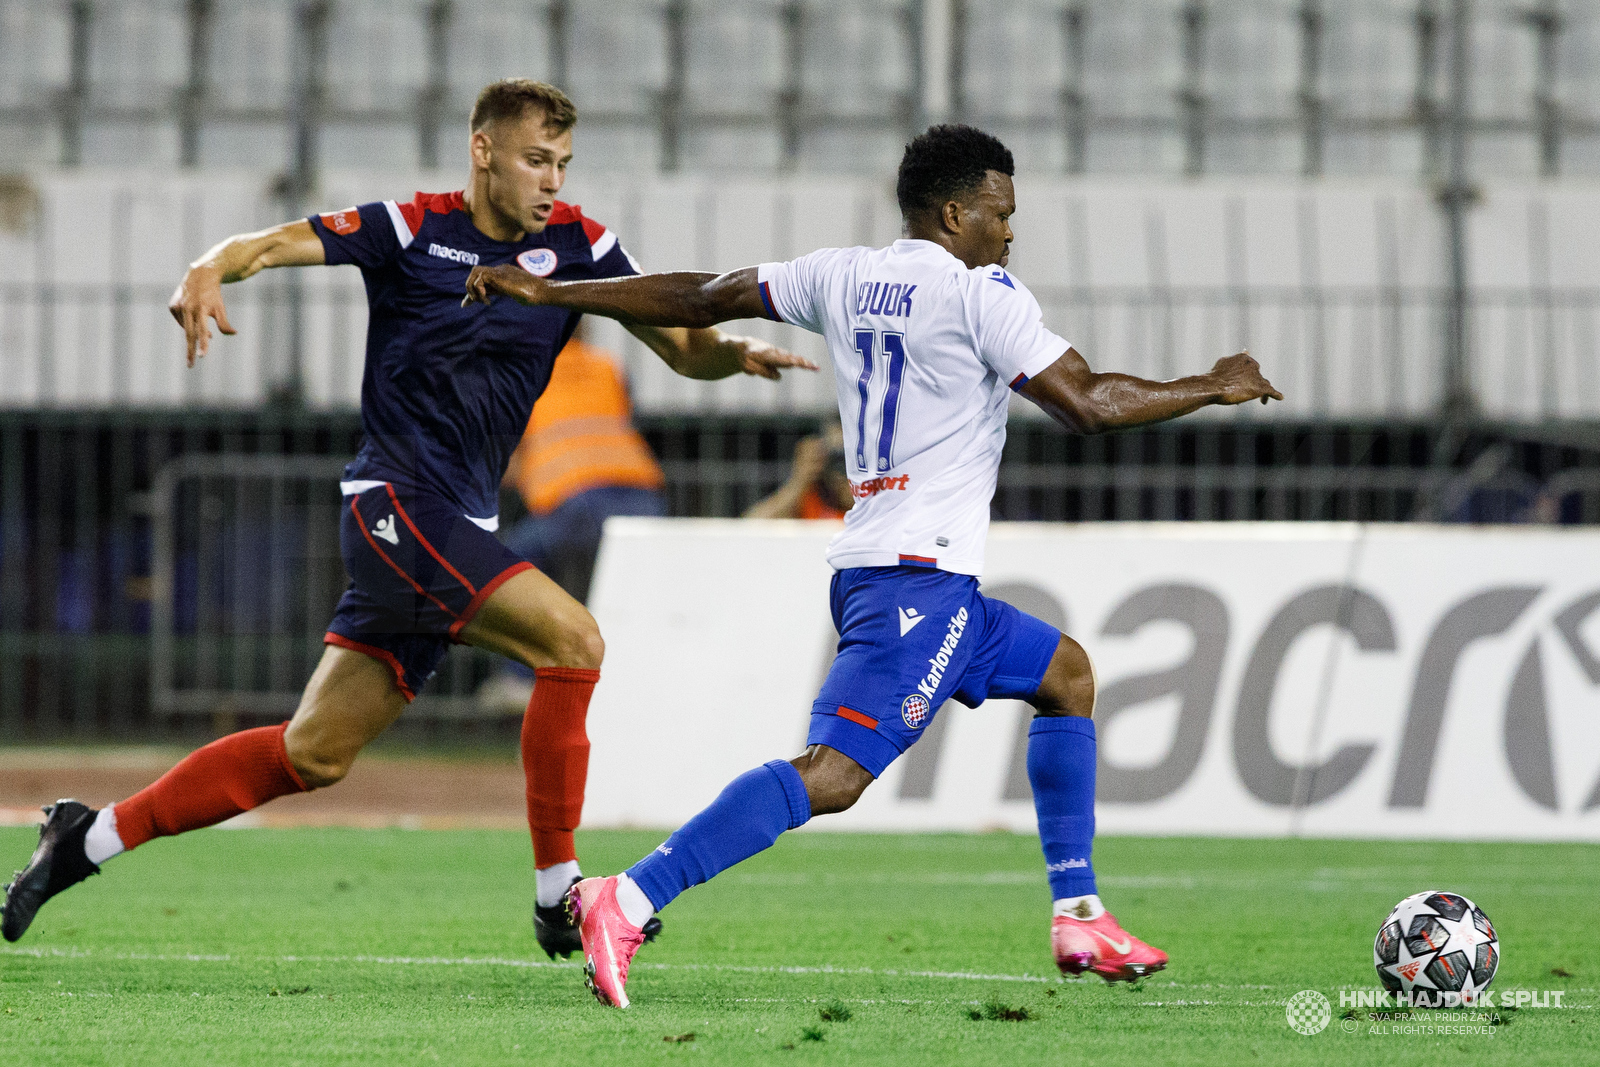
pixel 419 571
pixel 911 638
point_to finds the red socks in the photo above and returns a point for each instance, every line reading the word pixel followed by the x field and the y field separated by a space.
pixel 230 775
pixel 249 768
pixel 555 757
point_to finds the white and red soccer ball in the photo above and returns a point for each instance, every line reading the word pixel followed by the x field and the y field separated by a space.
pixel 1436 943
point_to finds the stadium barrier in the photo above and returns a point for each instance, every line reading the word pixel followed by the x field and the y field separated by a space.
pixel 245 504
pixel 1318 679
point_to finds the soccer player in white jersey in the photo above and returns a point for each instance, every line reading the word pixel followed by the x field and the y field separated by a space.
pixel 928 337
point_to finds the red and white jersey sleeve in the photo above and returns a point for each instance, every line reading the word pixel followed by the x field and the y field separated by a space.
pixel 924 352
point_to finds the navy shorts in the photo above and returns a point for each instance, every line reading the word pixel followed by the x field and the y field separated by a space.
pixel 911 638
pixel 419 571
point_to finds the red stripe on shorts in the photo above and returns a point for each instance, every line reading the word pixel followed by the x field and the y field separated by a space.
pixel 431 550
pixel 856 717
pixel 383 655
pixel 485 593
pixel 368 535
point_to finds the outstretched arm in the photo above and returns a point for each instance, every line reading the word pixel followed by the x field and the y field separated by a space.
pixel 710 354
pixel 656 308
pixel 199 296
pixel 681 298
pixel 1088 402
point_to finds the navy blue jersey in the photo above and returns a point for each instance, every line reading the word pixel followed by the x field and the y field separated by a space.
pixel 448 390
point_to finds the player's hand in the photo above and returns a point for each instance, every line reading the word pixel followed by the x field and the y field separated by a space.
pixel 1241 380
pixel 505 279
pixel 198 298
pixel 768 361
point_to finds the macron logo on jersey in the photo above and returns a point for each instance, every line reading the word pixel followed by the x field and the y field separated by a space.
pixel 884 298
pixel 998 275
pixel 469 258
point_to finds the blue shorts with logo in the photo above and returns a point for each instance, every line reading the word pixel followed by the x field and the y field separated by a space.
pixel 419 571
pixel 911 638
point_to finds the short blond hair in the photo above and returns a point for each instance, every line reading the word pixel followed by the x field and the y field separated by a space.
pixel 511 98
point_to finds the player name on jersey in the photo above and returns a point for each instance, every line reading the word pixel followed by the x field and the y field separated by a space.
pixel 884 298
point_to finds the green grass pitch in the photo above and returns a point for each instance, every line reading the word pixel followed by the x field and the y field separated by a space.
pixel 376 947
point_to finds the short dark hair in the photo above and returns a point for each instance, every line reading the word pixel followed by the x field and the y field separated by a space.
pixel 945 162
pixel 510 98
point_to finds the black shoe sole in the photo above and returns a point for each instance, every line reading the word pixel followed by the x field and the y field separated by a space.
pixel 53 867
pixel 556 933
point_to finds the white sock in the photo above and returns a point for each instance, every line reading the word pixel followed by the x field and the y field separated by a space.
pixel 551 883
pixel 636 907
pixel 1086 908
pixel 102 842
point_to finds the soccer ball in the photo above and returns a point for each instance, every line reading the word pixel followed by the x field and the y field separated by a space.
pixel 1435 943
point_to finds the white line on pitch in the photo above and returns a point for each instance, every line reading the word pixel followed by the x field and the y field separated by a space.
pixel 498 961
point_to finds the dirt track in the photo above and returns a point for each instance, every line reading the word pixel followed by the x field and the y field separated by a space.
pixel 411 793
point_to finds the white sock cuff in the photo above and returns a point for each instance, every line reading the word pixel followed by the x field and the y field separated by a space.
pixel 636 907
pixel 102 841
pixel 551 883
pixel 1087 908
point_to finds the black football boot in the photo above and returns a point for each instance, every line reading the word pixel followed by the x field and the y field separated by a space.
pixel 58 863
pixel 556 934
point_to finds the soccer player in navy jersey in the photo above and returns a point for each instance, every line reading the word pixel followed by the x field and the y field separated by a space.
pixel 445 398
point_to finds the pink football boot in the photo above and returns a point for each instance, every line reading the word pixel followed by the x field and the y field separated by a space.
pixel 1103 946
pixel 609 939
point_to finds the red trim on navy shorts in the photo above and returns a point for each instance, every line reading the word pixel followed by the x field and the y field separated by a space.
pixel 457 575
pixel 485 593
pixel 382 655
pixel 396 567
pixel 856 717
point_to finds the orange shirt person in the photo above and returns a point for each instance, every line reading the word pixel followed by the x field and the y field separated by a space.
pixel 580 462
pixel 817 487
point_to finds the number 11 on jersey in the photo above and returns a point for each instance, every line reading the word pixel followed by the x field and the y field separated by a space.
pixel 895 348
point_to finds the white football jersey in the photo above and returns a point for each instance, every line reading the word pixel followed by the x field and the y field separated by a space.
pixel 925 352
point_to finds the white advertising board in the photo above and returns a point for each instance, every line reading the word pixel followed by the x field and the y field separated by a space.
pixel 1331 680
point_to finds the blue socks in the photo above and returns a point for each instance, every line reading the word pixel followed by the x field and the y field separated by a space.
pixel 746 818
pixel 759 805
pixel 1061 767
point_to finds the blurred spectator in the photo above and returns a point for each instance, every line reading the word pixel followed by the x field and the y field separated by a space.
pixel 818 487
pixel 580 462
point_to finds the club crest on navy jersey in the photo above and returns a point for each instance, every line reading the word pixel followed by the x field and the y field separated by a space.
pixel 537 261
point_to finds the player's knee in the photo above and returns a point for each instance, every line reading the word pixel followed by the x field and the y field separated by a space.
pixel 318 766
pixel 1068 686
pixel 833 781
pixel 829 797
pixel 581 644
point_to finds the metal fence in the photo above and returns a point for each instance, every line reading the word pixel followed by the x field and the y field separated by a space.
pixel 172 573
